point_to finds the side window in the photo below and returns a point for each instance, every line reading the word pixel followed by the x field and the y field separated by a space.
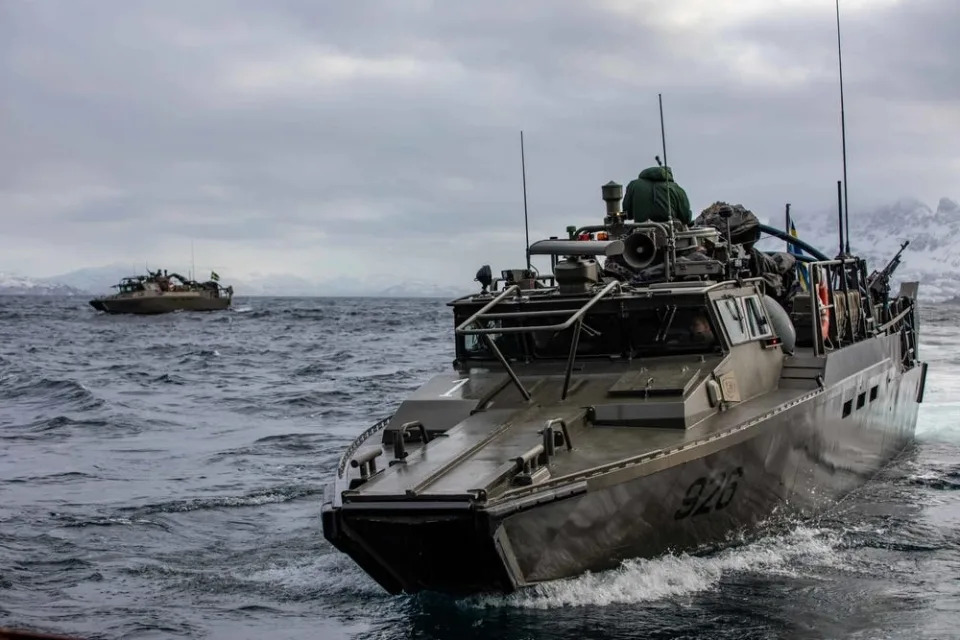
pixel 734 319
pixel 475 344
pixel 757 318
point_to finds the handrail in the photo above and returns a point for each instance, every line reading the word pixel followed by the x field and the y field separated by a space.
pixel 492 345
pixel 895 319
pixel 825 272
pixel 511 289
pixel 576 315
pixel 548 442
pixel 400 452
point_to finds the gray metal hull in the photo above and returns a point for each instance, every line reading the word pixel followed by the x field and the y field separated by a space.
pixel 796 457
pixel 796 462
pixel 152 305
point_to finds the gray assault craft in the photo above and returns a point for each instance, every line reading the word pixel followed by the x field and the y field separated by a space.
pixel 684 390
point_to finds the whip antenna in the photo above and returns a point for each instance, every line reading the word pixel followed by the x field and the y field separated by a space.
pixel 526 222
pixel 666 167
pixel 671 236
pixel 663 134
pixel 843 135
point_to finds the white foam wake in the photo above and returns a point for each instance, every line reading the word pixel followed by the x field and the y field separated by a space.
pixel 672 575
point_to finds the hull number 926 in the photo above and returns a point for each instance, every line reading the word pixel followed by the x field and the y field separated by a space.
pixel 708 494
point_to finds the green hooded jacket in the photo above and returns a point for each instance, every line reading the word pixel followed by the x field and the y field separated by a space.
pixel 646 197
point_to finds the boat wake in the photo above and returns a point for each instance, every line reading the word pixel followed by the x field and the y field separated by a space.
pixel 642 580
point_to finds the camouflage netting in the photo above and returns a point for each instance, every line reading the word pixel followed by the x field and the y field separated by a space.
pixel 744 226
pixel 777 271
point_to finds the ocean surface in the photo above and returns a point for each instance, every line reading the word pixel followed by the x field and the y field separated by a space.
pixel 161 477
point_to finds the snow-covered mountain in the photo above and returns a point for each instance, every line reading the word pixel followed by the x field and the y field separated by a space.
pixel 94 279
pixel 417 289
pixel 16 285
pixel 932 257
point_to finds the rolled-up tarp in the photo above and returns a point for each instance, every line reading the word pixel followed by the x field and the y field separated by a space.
pixel 576 248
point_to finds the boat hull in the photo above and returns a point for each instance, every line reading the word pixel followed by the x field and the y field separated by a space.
pixel 152 305
pixel 794 461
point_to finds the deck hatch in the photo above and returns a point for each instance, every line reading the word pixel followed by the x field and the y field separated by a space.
pixel 657 382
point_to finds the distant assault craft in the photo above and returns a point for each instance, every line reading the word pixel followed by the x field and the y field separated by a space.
pixel 159 292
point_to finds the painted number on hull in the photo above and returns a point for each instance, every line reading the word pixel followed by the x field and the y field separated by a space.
pixel 709 494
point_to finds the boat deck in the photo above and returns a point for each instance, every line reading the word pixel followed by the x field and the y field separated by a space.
pixel 484 446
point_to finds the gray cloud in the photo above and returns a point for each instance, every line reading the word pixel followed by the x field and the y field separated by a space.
pixel 381 138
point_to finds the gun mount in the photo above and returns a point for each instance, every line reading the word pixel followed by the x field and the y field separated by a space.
pixel 879 281
pixel 718 246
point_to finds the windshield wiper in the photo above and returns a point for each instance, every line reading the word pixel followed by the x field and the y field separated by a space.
pixel 666 323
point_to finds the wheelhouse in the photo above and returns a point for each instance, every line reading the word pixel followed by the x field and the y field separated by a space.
pixel 619 323
pixel 130 285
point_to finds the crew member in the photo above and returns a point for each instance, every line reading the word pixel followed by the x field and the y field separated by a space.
pixel 654 196
pixel 700 331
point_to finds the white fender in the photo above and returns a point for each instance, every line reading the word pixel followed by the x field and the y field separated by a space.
pixel 781 323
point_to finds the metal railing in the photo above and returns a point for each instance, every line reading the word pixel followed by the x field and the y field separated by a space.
pixel 575 314
pixel 575 320
pixel 838 277
pixel 547 282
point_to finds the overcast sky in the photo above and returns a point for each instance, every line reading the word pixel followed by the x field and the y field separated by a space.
pixel 381 139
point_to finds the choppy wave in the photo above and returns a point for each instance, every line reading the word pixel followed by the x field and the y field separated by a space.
pixel 67 520
pixel 28 388
pixel 49 478
pixel 253 499
pixel 945 477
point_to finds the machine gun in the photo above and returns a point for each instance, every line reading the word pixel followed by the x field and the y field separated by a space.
pixel 879 281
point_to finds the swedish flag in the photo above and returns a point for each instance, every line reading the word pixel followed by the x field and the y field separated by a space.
pixel 214 276
pixel 804 276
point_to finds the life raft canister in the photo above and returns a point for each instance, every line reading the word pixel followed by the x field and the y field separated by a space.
pixel 824 309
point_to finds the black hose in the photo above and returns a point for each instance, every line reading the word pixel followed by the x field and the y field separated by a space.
pixel 786 237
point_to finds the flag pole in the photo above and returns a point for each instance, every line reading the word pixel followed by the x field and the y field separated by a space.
pixel 786 225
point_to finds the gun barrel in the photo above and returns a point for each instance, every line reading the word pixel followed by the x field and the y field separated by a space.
pixel 880 279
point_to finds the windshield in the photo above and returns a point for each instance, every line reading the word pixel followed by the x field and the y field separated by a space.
pixel 648 332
